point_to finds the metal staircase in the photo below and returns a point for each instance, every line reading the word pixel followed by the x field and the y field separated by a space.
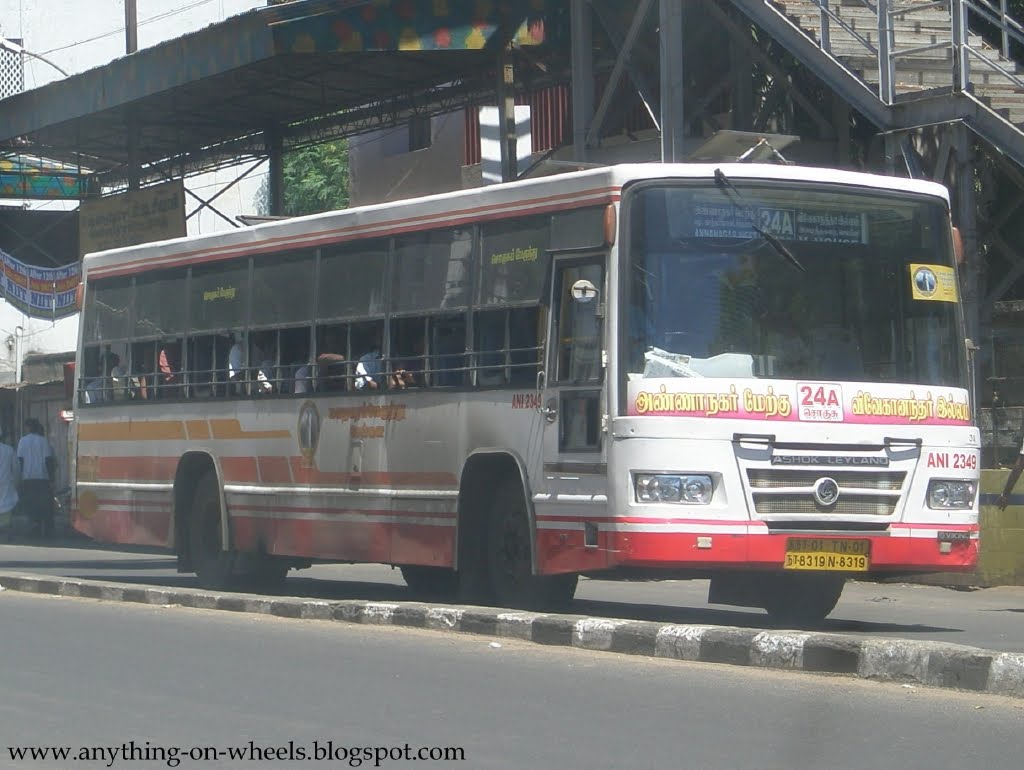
pixel 908 63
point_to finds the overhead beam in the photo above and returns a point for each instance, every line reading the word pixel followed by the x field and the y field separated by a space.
pixel 622 62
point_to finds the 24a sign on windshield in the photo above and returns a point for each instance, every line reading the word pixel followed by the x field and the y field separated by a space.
pixel 813 225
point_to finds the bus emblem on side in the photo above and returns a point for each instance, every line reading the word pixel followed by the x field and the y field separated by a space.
pixel 309 430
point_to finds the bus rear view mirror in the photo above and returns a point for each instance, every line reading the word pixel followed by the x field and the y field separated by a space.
pixel 958 246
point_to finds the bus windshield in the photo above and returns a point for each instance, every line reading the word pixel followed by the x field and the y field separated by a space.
pixel 737 278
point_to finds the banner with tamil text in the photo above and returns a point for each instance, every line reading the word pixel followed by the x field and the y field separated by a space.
pixel 40 292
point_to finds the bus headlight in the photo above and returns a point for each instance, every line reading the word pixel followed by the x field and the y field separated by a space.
pixel 945 494
pixel 673 488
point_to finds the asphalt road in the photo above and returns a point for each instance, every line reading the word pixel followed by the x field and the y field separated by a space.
pixel 81 673
pixel 991 618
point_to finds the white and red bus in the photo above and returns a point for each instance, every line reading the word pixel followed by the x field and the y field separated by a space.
pixel 753 373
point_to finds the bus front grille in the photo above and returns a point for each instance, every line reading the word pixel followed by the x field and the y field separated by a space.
pixel 847 480
pixel 847 505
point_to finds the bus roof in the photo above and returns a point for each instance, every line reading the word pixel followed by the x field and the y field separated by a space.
pixel 463 207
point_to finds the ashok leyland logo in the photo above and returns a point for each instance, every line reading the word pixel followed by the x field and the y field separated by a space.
pixel 826 491
pixel 925 281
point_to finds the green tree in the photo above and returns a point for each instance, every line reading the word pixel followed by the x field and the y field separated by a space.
pixel 315 180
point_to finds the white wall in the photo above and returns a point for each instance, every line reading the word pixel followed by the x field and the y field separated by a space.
pixel 382 169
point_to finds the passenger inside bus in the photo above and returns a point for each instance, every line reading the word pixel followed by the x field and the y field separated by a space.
pixel 93 393
pixel 370 368
pixel 296 369
pixel 118 377
pixel 407 349
pixel 332 373
pixel 140 382
pixel 169 364
pixel 262 356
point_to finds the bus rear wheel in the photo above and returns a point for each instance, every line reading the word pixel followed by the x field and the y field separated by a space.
pixel 213 564
pixel 801 600
pixel 509 548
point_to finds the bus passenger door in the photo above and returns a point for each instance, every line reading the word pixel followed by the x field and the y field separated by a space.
pixel 571 502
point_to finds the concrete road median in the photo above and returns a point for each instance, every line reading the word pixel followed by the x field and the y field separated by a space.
pixel 926 663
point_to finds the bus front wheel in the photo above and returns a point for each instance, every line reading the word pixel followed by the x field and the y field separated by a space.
pixel 801 600
pixel 510 561
pixel 213 564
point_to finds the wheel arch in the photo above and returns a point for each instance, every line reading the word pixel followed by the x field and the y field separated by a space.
pixel 192 467
pixel 482 471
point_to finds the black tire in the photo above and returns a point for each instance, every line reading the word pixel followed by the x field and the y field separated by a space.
pixel 212 564
pixel 801 600
pixel 509 549
pixel 261 573
pixel 431 582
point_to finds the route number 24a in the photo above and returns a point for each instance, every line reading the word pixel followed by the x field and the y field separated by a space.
pixel 777 222
pixel 818 396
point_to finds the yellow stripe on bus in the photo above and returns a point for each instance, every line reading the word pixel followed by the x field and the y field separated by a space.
pixel 197 429
pixel 232 429
pixel 172 430
pixel 133 430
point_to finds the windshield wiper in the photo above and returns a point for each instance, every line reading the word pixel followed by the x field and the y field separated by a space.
pixel 728 189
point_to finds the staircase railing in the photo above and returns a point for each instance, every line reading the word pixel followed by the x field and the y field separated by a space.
pixel 967 58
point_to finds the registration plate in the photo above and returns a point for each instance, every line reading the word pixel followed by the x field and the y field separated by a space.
pixel 828 554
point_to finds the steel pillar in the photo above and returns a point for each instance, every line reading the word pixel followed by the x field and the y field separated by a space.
pixel 673 129
pixel 275 154
pixel 582 76
pixel 965 217
pixel 507 117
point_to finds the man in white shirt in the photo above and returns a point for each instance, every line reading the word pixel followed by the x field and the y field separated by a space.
pixel 37 467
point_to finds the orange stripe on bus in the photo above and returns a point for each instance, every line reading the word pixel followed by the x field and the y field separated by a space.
pixel 197 429
pixel 239 469
pixel 132 430
pixel 275 470
pixel 232 429
pixel 266 469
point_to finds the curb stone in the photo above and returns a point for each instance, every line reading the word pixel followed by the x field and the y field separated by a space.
pixel 931 664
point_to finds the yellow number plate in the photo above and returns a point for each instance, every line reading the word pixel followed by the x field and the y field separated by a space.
pixel 827 554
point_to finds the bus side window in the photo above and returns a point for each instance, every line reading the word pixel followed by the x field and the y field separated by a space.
pixel 524 335
pixel 202 369
pixel 490 330
pixel 448 350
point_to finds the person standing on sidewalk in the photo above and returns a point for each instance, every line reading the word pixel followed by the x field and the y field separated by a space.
pixel 8 486
pixel 37 471
pixel 1011 481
